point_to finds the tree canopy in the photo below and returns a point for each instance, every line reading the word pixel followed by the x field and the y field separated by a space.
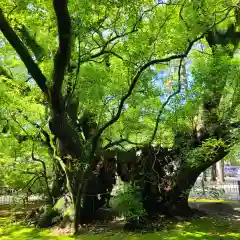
pixel 78 78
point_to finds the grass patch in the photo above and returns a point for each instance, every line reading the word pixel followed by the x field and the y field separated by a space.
pixel 212 200
pixel 205 228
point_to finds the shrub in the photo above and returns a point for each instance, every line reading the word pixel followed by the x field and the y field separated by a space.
pixel 127 202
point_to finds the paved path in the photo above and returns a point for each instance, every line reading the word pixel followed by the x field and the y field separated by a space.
pixel 230 209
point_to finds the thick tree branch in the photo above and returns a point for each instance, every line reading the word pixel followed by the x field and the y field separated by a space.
pixel 146 66
pixel 60 125
pixel 118 142
pixel 22 51
pixel 63 54
pixel 136 78
pixel 31 42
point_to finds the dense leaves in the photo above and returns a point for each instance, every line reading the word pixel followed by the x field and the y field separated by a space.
pixel 113 75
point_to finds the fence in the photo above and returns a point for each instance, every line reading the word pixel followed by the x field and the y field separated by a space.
pixel 229 190
pixel 11 197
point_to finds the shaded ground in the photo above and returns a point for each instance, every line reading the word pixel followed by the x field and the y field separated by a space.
pixel 224 227
pixel 18 211
pixel 201 229
pixel 200 204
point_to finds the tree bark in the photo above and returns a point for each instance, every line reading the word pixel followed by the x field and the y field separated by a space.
pixel 205 176
pixel 220 171
pixel 58 182
pixel 213 173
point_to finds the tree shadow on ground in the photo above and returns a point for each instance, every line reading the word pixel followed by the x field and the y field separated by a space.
pixel 202 229
pixel 206 228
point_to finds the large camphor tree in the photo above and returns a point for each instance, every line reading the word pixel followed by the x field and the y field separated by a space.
pixel 108 75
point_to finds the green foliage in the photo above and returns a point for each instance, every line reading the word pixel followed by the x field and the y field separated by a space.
pixel 206 152
pixel 149 32
pixel 128 202
pixel 65 208
pixel 233 157
pixel 21 108
pixel 111 41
